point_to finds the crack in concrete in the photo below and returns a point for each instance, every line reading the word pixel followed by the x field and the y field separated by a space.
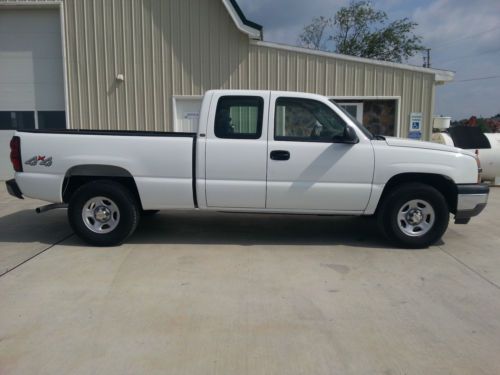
pixel 470 268
pixel 37 254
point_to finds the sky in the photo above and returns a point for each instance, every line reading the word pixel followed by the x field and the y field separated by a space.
pixel 464 36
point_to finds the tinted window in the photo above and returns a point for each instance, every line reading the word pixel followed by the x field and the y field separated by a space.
pixel 17 120
pixel 51 120
pixel 239 117
pixel 306 120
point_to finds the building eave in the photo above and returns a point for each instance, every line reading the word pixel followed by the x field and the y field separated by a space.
pixel 252 29
pixel 440 76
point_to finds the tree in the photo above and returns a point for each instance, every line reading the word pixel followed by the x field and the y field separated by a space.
pixel 360 30
pixel 313 35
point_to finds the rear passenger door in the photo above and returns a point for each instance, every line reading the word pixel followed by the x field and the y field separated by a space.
pixel 236 151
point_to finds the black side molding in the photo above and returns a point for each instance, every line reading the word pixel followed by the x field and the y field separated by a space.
pixel 13 189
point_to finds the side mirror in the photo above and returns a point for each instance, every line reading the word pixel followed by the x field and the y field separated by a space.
pixel 350 137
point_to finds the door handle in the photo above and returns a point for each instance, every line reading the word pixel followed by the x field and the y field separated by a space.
pixel 280 155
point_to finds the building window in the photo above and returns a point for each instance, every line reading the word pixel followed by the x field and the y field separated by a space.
pixel 239 117
pixel 377 115
pixel 18 120
pixel 380 116
pixel 305 120
pixel 51 120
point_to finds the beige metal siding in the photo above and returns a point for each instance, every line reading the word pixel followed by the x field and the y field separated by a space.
pixel 334 77
pixel 185 47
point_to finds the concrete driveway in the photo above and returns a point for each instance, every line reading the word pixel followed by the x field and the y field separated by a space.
pixel 246 294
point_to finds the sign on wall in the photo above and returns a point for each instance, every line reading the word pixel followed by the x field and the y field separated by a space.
pixel 416 119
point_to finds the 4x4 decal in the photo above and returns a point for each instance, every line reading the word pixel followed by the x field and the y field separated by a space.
pixel 40 160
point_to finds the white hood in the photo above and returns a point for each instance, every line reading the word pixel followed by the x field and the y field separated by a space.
pixel 400 142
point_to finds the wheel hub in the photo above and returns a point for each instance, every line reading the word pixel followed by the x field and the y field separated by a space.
pixel 415 216
pixel 102 214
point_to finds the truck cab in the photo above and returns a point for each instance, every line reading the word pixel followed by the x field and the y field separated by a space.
pixel 283 152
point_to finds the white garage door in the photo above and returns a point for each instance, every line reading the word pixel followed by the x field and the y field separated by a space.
pixel 31 75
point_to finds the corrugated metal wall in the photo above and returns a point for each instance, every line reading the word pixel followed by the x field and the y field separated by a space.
pixel 185 47
pixel 278 69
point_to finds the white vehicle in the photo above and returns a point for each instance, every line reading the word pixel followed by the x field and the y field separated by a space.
pixel 255 151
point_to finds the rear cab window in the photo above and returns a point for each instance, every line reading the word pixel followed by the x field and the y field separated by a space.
pixel 239 117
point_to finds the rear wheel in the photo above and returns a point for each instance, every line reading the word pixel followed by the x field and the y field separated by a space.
pixel 103 213
pixel 414 215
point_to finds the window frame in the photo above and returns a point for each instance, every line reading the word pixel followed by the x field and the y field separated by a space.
pixel 298 139
pixel 260 117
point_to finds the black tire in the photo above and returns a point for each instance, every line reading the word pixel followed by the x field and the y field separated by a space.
pixel 125 208
pixel 435 213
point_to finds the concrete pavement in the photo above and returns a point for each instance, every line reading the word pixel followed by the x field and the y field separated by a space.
pixel 247 294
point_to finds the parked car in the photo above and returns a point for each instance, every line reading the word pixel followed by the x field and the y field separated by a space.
pixel 255 151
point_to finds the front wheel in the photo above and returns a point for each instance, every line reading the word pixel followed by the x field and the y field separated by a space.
pixel 414 215
pixel 103 213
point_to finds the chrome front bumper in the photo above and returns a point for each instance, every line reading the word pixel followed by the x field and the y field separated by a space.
pixel 472 200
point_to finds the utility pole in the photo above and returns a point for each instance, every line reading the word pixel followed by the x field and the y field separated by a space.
pixel 427 59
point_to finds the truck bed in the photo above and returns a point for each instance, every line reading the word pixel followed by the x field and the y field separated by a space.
pixel 162 164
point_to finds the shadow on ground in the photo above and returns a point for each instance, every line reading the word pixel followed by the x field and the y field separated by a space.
pixel 208 228
pixel 253 229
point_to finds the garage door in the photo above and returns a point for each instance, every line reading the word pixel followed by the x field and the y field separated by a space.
pixel 31 75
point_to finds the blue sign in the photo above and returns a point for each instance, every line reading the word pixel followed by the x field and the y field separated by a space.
pixel 415 135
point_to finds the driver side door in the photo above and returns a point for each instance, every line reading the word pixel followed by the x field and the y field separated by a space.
pixel 306 170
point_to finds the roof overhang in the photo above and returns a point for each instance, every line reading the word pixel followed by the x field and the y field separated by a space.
pixel 440 76
pixel 252 29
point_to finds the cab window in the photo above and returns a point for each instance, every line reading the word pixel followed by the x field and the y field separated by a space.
pixel 239 117
pixel 306 120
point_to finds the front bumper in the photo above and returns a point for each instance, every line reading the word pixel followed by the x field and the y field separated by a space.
pixel 13 189
pixel 472 200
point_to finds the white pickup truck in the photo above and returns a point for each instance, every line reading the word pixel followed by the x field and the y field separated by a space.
pixel 255 151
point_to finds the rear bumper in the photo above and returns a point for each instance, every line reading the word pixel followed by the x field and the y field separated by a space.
pixel 13 189
pixel 472 200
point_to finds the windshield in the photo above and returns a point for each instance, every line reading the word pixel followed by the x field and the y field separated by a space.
pixel 355 120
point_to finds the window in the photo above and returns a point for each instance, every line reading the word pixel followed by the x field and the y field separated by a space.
pixel 10 120
pixel 51 120
pixel 306 120
pixel 239 117
pixel 379 116
pixel 354 109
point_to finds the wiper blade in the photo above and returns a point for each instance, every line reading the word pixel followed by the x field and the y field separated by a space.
pixel 379 137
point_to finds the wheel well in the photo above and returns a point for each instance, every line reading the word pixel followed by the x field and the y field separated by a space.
pixel 443 184
pixel 83 174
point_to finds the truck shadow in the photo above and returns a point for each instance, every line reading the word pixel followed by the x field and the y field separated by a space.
pixel 253 229
pixel 200 228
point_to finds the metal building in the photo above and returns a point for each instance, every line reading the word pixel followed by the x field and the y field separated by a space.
pixel 144 64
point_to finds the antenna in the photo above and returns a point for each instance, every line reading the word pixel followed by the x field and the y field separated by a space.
pixel 427 58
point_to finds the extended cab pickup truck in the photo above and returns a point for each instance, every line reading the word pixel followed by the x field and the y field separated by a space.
pixel 255 151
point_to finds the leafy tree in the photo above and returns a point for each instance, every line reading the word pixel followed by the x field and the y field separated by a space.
pixel 360 30
pixel 313 35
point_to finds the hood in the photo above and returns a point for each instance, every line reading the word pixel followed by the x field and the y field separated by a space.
pixel 400 142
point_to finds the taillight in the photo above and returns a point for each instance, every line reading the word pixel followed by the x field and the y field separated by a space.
pixel 15 154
